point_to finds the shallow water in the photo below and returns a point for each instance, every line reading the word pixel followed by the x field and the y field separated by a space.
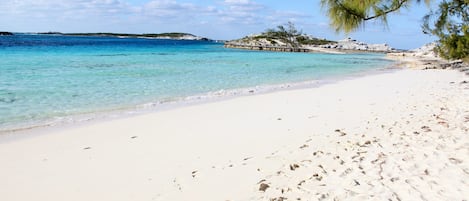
pixel 47 79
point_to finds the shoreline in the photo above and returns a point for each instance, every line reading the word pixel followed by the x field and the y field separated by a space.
pixel 399 135
pixel 304 49
pixel 364 138
pixel 71 121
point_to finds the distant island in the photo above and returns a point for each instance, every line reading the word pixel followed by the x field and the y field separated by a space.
pixel 4 33
pixel 173 35
pixel 288 39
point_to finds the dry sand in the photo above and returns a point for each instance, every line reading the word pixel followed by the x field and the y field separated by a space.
pixel 392 136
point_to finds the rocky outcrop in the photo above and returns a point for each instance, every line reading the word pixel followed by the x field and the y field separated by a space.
pixel 3 33
pixel 427 51
pixel 306 44
pixel 277 41
pixel 426 57
pixel 349 44
pixel 266 44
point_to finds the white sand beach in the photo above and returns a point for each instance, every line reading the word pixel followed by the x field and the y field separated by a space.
pixel 402 135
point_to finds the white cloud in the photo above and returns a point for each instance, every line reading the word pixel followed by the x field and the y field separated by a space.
pixel 64 8
pixel 241 12
pixel 147 16
pixel 167 8
pixel 228 11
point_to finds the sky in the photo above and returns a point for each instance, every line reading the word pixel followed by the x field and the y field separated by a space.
pixel 215 19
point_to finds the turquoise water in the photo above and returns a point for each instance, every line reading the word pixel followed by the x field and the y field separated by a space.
pixel 49 78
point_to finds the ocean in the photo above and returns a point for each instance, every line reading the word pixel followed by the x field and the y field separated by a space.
pixel 49 80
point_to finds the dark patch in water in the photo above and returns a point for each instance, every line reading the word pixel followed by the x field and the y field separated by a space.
pixel 101 66
pixel 112 55
pixel 163 54
pixel 8 100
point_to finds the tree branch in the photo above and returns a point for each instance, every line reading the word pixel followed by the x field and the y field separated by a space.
pixel 397 7
pixel 400 3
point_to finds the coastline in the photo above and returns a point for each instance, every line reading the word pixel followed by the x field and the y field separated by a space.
pixel 80 119
pixel 426 59
pixel 367 137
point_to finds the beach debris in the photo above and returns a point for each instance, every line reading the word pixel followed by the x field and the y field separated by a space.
pixel 279 119
pixel 341 132
pixel 356 182
pixel 394 179
pixel 426 172
pixel 323 169
pixel 86 148
pixel 133 137
pixel 278 199
pixel 444 123
pixel 304 146
pixel 317 152
pixel 245 159
pixel 317 176
pixel 366 143
pixel 426 129
pixel 294 166
pixel 301 182
pixel 194 173
pixel 284 190
pixel 263 187
pixel 324 196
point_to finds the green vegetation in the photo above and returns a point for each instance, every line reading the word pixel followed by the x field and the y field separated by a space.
pixel 449 22
pixel 4 33
pixel 289 35
pixel 313 41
